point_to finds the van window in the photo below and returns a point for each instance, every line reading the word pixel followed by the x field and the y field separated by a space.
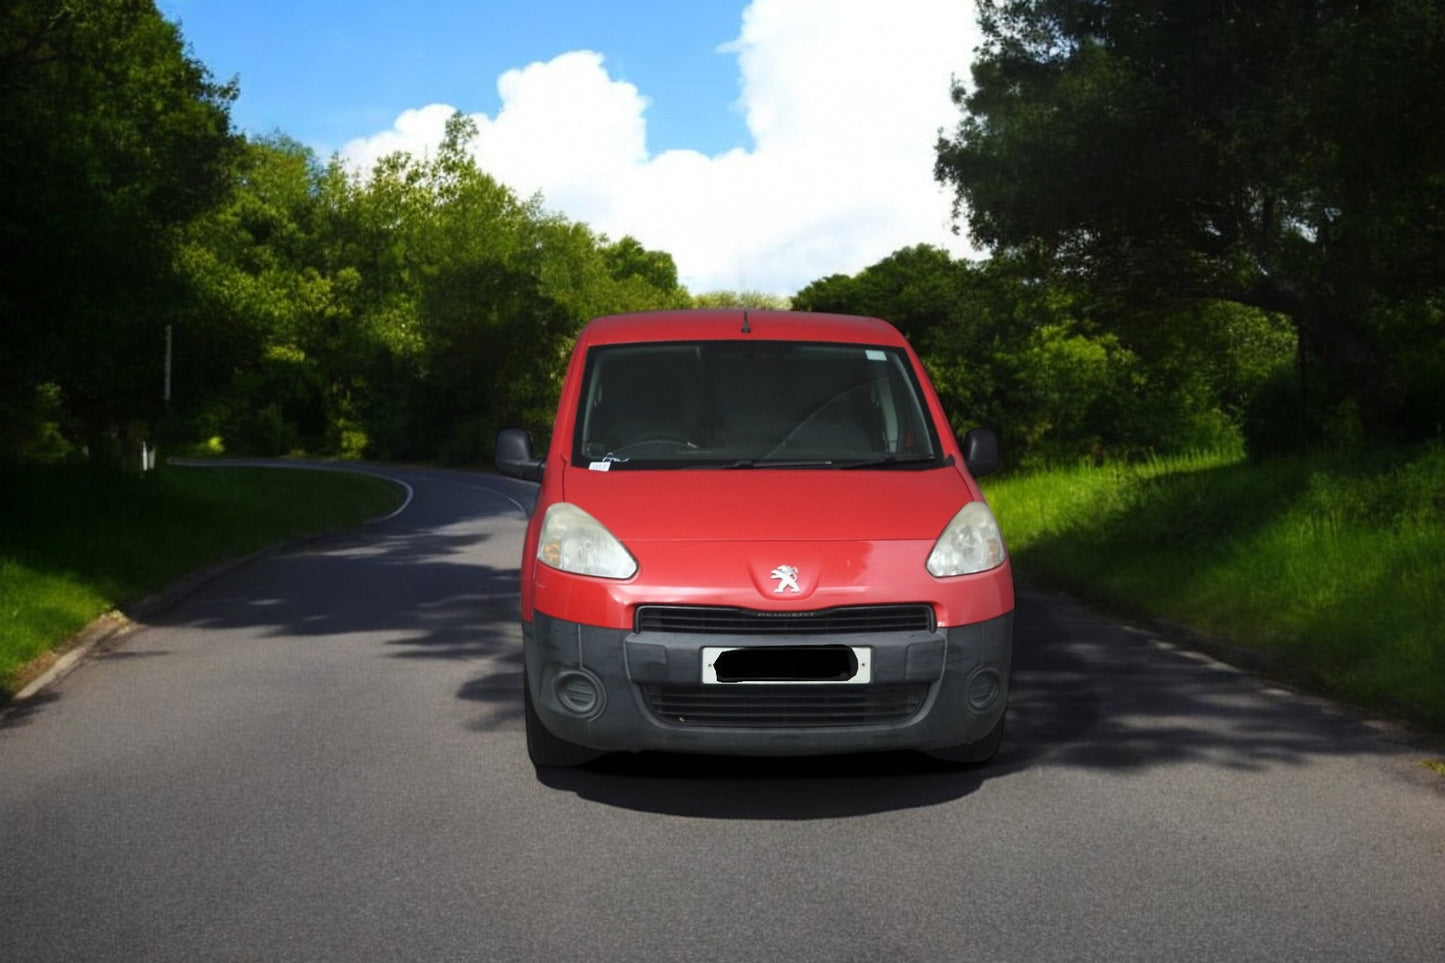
pixel 751 404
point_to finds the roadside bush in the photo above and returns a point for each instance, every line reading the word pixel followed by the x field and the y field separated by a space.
pixel 265 432
pixel 30 427
pixel 1274 422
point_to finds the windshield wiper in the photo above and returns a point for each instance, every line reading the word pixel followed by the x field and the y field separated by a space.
pixel 889 461
pixel 763 463
pixel 883 461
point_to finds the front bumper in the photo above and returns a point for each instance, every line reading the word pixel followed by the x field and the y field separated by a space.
pixel 618 690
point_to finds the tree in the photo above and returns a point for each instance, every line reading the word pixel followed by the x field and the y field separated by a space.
pixel 1281 154
pixel 915 288
pixel 115 139
pixel 628 258
pixel 759 300
pixel 1062 374
pixel 834 294
pixel 264 300
pixel 494 340
pixel 407 311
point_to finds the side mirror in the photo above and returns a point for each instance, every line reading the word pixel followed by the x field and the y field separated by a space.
pixel 980 452
pixel 513 455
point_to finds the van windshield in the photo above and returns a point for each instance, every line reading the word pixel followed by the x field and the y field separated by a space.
pixel 752 404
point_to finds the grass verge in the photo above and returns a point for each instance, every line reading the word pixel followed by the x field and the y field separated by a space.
pixel 1332 568
pixel 77 543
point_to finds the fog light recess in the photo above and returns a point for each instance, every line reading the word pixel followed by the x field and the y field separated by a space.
pixel 579 692
pixel 983 689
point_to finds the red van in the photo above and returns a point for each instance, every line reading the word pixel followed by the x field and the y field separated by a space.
pixel 757 534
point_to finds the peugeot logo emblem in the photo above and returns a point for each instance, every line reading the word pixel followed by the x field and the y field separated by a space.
pixel 787 576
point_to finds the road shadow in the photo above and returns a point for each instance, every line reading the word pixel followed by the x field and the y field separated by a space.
pixel 424 593
pixel 726 787
pixel 1091 692
pixel 19 713
pixel 499 689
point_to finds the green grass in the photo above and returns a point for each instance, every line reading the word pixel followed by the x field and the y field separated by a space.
pixel 1331 567
pixel 75 543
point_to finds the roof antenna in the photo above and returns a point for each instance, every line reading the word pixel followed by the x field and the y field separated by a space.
pixel 746 329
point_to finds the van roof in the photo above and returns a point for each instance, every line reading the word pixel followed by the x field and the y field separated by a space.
pixel 714 324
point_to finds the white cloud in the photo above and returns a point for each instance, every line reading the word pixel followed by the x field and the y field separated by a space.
pixel 843 98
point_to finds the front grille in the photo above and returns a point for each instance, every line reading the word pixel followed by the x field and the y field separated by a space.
pixel 784 707
pixel 712 620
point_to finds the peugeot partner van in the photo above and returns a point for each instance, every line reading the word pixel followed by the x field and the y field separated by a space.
pixel 757 534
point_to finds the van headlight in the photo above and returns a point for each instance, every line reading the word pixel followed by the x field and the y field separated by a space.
pixel 574 541
pixel 971 543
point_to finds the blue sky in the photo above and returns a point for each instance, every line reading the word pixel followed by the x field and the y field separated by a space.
pixel 763 143
pixel 326 72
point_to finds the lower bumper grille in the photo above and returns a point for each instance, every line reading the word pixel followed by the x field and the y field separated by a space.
pixel 784 707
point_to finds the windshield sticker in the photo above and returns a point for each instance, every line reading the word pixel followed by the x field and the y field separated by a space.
pixel 608 460
pixel 876 355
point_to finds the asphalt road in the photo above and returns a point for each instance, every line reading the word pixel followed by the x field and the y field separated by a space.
pixel 319 756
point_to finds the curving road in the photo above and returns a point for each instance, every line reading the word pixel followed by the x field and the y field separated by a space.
pixel 319 756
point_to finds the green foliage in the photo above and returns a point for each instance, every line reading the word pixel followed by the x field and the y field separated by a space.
pixel 1279 155
pixel 1331 568
pixel 115 139
pixel 915 289
pixel 740 299
pixel 30 429
pixel 628 258
pixel 408 312
pixel 1059 374
pixel 1068 381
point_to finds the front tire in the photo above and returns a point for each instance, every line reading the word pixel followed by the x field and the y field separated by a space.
pixel 546 750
